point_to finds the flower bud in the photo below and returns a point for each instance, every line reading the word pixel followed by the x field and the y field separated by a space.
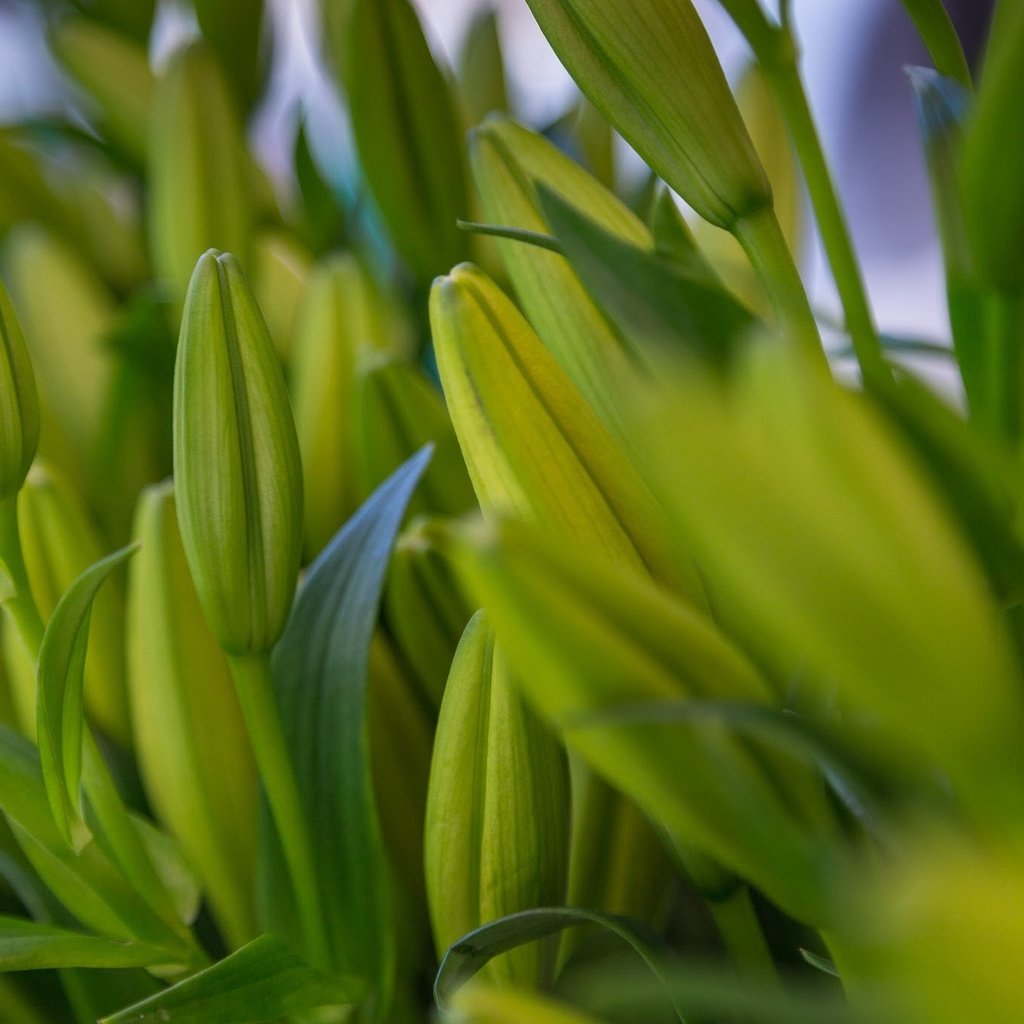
pixel 19 404
pixel 497 826
pixel 192 747
pixel 652 71
pixel 59 541
pixel 236 461
pixel 199 172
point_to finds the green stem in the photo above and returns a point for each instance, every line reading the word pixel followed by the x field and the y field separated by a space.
pixel 742 934
pixel 19 603
pixel 764 244
pixel 780 67
pixel 259 709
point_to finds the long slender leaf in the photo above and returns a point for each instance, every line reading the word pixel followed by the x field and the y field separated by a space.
pixel 27 946
pixel 320 671
pixel 467 956
pixel 60 721
pixel 260 982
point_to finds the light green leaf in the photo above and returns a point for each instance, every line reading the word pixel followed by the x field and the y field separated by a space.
pixel 939 34
pixel 60 721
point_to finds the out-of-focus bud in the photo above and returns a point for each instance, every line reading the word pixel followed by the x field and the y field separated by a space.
pixel 236 461
pixel 408 134
pixel 497 826
pixel 653 72
pixel 19 403
pixel 425 610
pixel 115 72
pixel 482 68
pixel 60 542
pixel 280 280
pixel 191 743
pixel 398 411
pixel 199 172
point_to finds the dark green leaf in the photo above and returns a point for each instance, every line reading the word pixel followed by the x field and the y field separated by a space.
pixel 467 956
pixel 939 34
pixel 658 306
pixel 320 672
pixel 260 982
pixel 323 219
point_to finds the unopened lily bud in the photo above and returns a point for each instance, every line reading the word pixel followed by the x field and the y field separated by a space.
pixel 190 740
pixel 652 71
pixel 60 541
pixel 236 461
pixel 19 403
pixel 199 172
pixel 425 610
pixel 497 826
pixel 398 411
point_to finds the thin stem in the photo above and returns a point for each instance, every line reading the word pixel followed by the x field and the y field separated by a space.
pixel 780 67
pixel 742 934
pixel 259 709
pixel 19 605
pixel 763 241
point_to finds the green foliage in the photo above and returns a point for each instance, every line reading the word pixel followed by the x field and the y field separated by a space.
pixel 575 638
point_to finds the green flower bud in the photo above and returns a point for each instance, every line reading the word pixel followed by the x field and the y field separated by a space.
pixel 236 461
pixel 652 71
pixel 497 827
pixel 199 172
pixel 19 404
pixel 60 541
pixel 190 740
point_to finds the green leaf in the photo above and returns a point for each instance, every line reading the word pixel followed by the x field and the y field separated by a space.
pixel 407 133
pixel 260 982
pixel 320 672
pixel 236 31
pixel 939 35
pixel 466 957
pixel 323 218
pixel 482 68
pixel 26 946
pixel 60 721
pixel 658 306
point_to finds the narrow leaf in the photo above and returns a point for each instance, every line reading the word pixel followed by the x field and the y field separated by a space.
pixel 60 720
pixel 260 982
pixel 320 671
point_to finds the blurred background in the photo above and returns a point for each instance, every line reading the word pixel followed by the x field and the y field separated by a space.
pixel 855 53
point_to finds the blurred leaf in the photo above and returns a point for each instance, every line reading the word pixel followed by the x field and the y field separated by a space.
pixel 482 1004
pixel 658 306
pixel 407 133
pixel 262 981
pixel 320 672
pixel 115 73
pixel 236 31
pixel 133 17
pixel 467 956
pixel 323 217
pixel 939 35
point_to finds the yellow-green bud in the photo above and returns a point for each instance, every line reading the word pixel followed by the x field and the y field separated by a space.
pixel 651 69
pixel 497 826
pixel 60 541
pixel 236 461
pixel 19 403
pixel 199 172
pixel 191 743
